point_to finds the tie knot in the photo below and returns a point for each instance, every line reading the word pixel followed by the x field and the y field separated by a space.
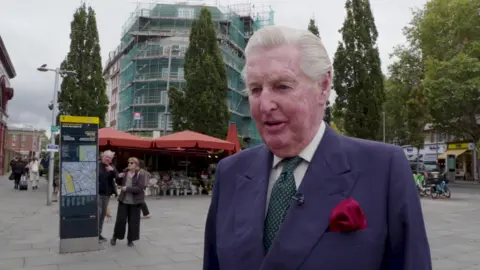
pixel 290 164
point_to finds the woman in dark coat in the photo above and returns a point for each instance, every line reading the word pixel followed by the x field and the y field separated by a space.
pixel 130 200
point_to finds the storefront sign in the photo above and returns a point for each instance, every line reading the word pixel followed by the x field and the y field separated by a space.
pixel 429 149
pixel 452 146
pixel 78 184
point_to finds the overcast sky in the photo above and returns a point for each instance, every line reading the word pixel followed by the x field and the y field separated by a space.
pixel 37 32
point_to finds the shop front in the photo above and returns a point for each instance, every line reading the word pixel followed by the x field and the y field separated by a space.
pixel 428 153
pixel 7 72
pixel 462 152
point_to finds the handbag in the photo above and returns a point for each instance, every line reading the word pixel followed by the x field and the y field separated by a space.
pixel 11 177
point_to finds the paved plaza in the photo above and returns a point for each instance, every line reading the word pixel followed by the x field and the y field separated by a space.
pixel 172 238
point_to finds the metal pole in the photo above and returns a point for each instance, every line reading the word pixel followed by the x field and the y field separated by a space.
pixel 168 86
pixel 436 142
pixel 383 126
pixel 474 159
pixel 51 163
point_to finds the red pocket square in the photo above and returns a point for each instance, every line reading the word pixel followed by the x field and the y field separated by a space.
pixel 347 217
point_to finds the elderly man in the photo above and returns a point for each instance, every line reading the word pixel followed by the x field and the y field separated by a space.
pixel 106 187
pixel 309 198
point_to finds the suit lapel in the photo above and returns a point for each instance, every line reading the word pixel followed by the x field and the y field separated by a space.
pixel 250 198
pixel 327 182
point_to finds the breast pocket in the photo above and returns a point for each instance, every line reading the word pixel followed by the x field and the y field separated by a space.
pixel 352 250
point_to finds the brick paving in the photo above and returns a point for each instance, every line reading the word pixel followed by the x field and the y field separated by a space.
pixel 172 238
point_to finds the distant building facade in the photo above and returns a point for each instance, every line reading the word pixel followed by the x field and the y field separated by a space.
pixel 112 79
pixel 7 72
pixel 25 141
pixel 152 54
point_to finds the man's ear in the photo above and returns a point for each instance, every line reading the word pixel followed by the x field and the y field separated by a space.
pixel 325 84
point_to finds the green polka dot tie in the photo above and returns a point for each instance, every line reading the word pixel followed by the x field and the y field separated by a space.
pixel 283 191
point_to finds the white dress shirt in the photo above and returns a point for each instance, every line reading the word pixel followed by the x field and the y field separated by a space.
pixel 306 154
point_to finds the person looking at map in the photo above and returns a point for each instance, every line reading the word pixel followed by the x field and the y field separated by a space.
pixel 130 200
pixel 106 187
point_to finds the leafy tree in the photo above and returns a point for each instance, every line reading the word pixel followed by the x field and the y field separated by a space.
pixel 312 27
pixel 453 66
pixel 454 93
pixel 450 41
pixel 201 106
pixel 405 76
pixel 358 79
pixel 84 94
pixel 417 118
pixel 328 113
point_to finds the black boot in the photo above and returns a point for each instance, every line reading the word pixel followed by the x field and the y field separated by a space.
pixel 130 244
pixel 101 238
pixel 113 241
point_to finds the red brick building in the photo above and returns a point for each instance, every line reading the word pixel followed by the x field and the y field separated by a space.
pixel 7 72
pixel 25 140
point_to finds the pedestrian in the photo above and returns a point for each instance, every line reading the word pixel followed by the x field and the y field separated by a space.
pixel 145 211
pixel 309 198
pixel 106 188
pixel 130 201
pixel 34 176
pixel 18 169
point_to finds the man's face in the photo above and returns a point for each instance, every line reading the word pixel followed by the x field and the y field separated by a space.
pixel 287 106
pixel 106 159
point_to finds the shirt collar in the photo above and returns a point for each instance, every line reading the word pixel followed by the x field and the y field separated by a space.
pixel 308 152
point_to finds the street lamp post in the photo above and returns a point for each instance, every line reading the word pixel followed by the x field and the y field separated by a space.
pixel 384 137
pixel 58 72
pixel 167 101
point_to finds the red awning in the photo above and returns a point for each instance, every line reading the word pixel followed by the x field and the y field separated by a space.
pixel 232 136
pixel 121 139
pixel 190 139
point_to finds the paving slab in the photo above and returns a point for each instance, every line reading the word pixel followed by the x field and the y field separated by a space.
pixel 173 238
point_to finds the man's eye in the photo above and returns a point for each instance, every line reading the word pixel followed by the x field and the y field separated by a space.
pixel 283 87
pixel 255 89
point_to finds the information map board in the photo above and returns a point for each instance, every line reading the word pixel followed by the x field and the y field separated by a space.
pixel 78 183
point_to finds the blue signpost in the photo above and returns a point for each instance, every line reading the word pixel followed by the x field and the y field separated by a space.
pixel 78 185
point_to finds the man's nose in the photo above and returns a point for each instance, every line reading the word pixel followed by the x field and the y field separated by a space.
pixel 267 101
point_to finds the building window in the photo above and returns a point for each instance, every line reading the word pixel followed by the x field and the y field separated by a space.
pixel 176 50
pixel 181 73
pixel 163 97
pixel 443 138
pixel 166 50
pixel 183 49
pixel 139 99
pixel 14 137
pixel 164 73
pixel 14 144
pixel 161 121
pixel 24 138
pixel 187 13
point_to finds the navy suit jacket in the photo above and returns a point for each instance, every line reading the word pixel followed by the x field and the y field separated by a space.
pixel 376 175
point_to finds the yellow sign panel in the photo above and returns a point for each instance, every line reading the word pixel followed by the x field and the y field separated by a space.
pixel 79 119
pixel 452 146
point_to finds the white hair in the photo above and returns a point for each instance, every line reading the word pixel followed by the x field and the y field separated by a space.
pixel 314 59
pixel 108 153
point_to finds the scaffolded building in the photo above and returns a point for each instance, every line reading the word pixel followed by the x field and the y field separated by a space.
pixel 151 53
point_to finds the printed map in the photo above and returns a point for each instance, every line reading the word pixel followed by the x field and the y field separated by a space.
pixel 87 153
pixel 80 178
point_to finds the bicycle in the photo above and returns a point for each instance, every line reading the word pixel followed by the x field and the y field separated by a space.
pixel 440 189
